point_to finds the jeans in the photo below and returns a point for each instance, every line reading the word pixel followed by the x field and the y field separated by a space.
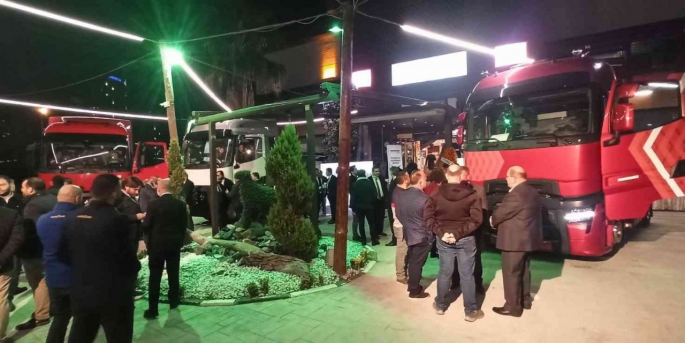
pixel 33 268
pixel 60 308
pixel 416 259
pixel 465 253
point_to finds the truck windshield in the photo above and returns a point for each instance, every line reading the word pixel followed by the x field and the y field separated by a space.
pixel 196 151
pixel 85 153
pixel 539 120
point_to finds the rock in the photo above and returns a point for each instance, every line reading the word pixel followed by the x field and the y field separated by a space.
pixel 372 255
pixel 235 246
pixel 279 263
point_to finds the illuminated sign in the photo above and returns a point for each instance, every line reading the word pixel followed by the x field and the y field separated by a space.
pixel 362 78
pixel 112 77
pixel 510 54
pixel 429 69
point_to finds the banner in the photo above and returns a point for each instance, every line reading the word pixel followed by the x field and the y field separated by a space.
pixel 394 157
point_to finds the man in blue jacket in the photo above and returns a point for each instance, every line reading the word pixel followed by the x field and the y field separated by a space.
pixel 58 276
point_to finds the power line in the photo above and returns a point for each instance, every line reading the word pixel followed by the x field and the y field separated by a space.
pixel 378 18
pixel 85 80
pixel 302 21
pixel 234 73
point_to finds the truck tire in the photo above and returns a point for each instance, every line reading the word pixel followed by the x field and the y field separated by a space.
pixel 644 222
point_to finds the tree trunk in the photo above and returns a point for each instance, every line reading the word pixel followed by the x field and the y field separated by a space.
pixel 279 263
pixel 235 245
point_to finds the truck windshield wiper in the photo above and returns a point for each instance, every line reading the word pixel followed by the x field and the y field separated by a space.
pixel 557 137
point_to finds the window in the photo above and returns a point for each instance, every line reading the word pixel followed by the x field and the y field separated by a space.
pixel 85 152
pixel 249 149
pixel 151 155
pixel 656 104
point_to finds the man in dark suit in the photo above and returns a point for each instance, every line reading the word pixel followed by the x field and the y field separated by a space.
pixel 97 245
pixel 518 220
pixel 224 187
pixel 129 206
pixel 148 193
pixel 57 183
pixel 11 234
pixel 321 189
pixel 362 203
pixel 382 201
pixel 355 220
pixel 165 229
pixel 37 202
pixel 332 188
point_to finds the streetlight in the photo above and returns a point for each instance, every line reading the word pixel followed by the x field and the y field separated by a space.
pixel 44 111
pixel 335 29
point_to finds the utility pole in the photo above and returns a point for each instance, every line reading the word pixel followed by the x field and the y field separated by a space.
pixel 169 96
pixel 345 131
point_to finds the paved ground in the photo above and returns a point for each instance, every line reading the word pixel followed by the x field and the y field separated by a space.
pixel 635 296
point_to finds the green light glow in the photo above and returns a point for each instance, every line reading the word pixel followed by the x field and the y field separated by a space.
pixel 336 29
pixel 172 56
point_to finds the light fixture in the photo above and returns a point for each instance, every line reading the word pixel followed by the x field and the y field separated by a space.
pixel 301 122
pixel 361 78
pixel 80 110
pixel 354 112
pixel 69 20
pixel 335 29
pixel 645 92
pixel 44 111
pixel 579 215
pixel 429 69
pixel 511 54
pixel 172 56
pixel 449 40
pixel 663 85
pixel 598 65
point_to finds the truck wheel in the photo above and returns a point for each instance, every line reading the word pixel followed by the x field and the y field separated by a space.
pixel 648 218
pixel 618 236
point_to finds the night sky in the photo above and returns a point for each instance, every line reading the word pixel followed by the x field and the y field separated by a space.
pixel 38 53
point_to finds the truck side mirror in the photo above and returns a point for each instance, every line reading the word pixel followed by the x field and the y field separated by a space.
pixel 460 134
pixel 623 118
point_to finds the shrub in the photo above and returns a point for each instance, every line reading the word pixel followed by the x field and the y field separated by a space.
pixel 256 199
pixel 175 170
pixel 294 190
pixel 264 286
pixel 252 290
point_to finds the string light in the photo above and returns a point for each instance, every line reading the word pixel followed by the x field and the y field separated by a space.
pixel 81 110
pixel 69 20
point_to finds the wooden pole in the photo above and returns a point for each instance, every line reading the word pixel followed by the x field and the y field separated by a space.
pixel 340 248
pixel 311 169
pixel 213 195
pixel 169 96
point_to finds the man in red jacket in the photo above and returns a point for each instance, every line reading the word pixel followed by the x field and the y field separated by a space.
pixel 453 213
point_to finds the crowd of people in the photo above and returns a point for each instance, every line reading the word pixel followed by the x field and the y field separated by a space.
pixel 81 259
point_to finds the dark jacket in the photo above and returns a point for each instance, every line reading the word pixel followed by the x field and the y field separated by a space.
pixel 188 189
pixel 332 187
pixel 455 209
pixel 130 207
pixel 14 203
pixel 11 236
pixel 235 206
pixel 321 186
pixel 353 179
pixel 384 196
pixel 97 246
pixel 518 219
pixel 409 207
pixel 51 227
pixel 363 195
pixel 391 188
pixel 165 224
pixel 147 195
pixel 53 190
pixel 35 207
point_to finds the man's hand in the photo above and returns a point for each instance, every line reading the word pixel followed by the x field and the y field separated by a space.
pixel 449 238
pixel 140 216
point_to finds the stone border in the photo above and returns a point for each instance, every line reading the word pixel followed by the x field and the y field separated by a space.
pixel 240 301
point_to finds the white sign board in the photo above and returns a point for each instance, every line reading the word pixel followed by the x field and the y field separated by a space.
pixel 394 157
pixel 429 69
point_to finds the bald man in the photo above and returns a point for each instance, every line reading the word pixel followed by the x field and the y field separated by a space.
pixel 58 276
pixel 518 220
pixel 165 228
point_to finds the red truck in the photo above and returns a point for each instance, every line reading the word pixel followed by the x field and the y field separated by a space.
pixel 599 149
pixel 81 148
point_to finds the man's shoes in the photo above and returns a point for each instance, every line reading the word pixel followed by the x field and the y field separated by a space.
pixel 331 221
pixel 480 289
pixel 150 315
pixel 173 305
pixel 392 243
pixel 473 316
pixel 527 303
pixel 20 290
pixel 12 306
pixel 374 243
pixel 32 324
pixel 419 295
pixel 403 281
pixel 384 234
pixel 438 310
pixel 503 311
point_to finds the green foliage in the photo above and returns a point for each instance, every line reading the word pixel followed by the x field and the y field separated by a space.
pixel 176 169
pixel 354 249
pixel 294 190
pixel 252 290
pixel 257 199
pixel 264 286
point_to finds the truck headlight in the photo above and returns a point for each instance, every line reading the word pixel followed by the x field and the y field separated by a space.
pixel 579 215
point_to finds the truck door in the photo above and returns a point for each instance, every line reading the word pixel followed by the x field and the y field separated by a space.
pixel 150 160
pixel 643 154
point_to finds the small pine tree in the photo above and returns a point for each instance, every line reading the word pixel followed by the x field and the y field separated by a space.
pixel 294 190
pixel 176 169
